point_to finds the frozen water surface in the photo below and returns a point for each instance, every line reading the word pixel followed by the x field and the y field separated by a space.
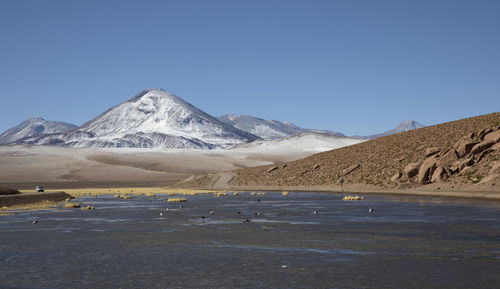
pixel 277 242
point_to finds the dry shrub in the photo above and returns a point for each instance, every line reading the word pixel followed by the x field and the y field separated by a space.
pixel 353 198
pixel 172 200
pixel 70 205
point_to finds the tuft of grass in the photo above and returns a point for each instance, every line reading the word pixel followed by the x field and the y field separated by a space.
pixel 353 198
pixel 88 208
pixel 70 205
pixel 172 200
pixel 284 193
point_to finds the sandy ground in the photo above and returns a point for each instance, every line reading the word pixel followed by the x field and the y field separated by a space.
pixel 24 167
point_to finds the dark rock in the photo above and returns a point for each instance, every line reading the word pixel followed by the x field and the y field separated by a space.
pixel 350 169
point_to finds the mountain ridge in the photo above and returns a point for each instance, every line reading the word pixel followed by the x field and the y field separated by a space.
pixel 153 118
pixel 34 126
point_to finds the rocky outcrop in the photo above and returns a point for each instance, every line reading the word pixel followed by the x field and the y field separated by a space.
pixel 464 146
pixel 468 151
pixel 411 170
pixel 427 169
pixel 439 174
pixel 448 158
pixel 480 147
pixel 493 136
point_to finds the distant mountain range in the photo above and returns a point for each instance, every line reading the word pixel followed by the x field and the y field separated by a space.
pixel 155 118
pixel 267 129
pixel 34 127
pixel 402 127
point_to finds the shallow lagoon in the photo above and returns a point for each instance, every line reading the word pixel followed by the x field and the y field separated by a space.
pixel 408 242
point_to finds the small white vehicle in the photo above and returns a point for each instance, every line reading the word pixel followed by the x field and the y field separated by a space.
pixel 39 189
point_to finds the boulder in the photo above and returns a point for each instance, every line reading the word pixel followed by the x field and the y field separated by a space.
pixel 479 157
pixel 483 132
pixel 427 169
pixel 396 177
pixel 465 163
pixel 431 151
pixel 448 158
pixel 272 169
pixel 496 147
pixel 439 174
pixel 350 169
pixel 493 136
pixel 465 147
pixel 478 148
pixel 466 169
pixel 454 168
pixel 411 170
pixel 316 166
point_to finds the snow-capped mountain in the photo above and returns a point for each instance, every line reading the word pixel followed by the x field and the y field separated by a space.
pixel 34 127
pixel 153 118
pixel 402 127
pixel 307 142
pixel 267 129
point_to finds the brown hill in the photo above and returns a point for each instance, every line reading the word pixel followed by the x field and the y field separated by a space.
pixel 381 163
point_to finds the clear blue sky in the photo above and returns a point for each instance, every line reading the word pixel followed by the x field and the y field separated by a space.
pixel 354 66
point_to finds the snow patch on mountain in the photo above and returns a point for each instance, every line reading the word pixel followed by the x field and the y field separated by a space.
pixel 153 118
pixel 307 142
pixel 35 126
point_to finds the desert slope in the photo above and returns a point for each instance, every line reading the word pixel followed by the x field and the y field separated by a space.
pixel 380 163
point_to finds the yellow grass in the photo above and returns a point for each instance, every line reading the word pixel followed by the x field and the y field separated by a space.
pixel 88 208
pixel 170 200
pixel 285 193
pixel 134 191
pixel 32 207
pixel 353 198
pixel 71 205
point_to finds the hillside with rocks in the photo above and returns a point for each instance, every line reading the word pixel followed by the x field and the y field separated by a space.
pixel 457 155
